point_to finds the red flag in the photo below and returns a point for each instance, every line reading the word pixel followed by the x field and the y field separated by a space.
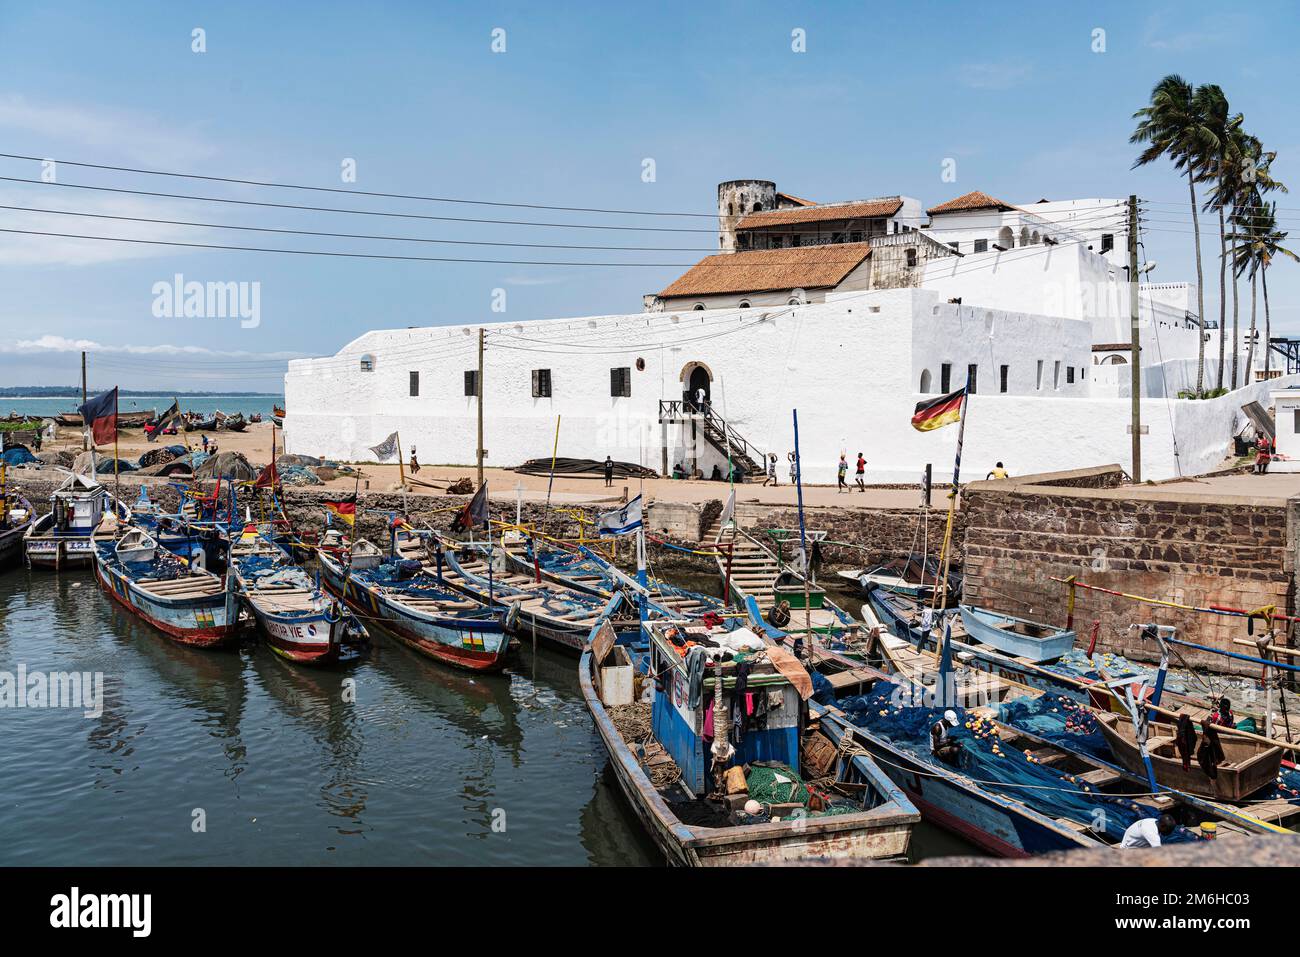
pixel 100 413
pixel 474 513
pixel 268 478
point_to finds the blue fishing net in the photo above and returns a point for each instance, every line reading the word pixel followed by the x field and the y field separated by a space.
pixel 1076 663
pixel 1059 719
pixel 996 767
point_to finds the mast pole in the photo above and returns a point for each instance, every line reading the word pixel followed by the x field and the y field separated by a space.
pixel 941 596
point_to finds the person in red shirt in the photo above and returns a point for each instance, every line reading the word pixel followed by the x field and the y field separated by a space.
pixel 860 474
pixel 1263 455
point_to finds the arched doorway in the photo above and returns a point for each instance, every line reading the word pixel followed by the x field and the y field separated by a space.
pixel 696 376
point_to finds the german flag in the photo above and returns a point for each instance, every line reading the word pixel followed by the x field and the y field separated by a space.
pixel 344 509
pixel 936 413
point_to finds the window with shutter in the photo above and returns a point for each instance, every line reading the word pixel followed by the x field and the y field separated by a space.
pixel 620 381
pixel 541 383
pixel 471 382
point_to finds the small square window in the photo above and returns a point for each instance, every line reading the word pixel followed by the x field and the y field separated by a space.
pixel 981 245
pixel 541 383
pixel 620 382
pixel 1107 242
pixel 471 382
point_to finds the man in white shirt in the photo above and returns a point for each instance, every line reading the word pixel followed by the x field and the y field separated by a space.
pixel 1147 831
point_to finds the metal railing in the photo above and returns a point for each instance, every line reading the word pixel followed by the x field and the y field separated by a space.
pixel 675 410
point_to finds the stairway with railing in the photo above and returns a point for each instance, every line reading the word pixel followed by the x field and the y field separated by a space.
pixel 717 432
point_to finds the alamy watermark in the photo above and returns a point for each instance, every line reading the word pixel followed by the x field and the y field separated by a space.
pixel 179 299
pixel 53 689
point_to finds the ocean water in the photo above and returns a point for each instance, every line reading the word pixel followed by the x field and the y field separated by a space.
pixel 207 404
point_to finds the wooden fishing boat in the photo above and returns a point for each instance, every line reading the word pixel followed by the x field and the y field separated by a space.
pixel 299 621
pixel 587 572
pixel 1017 637
pixel 427 617
pixel 1076 675
pixel 553 614
pixel 189 605
pixel 915 576
pixel 61 538
pixel 125 420
pixel 16 516
pixel 1248 766
pixel 1000 805
pixel 872 820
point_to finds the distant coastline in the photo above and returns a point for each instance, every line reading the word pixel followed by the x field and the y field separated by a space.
pixel 74 392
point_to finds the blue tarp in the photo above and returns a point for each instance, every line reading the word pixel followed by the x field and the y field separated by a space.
pixel 17 455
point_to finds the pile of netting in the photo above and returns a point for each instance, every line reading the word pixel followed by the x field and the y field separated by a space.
pixel 998 769
pixel 1101 666
pixel 1058 719
pixel 298 475
pixel 771 782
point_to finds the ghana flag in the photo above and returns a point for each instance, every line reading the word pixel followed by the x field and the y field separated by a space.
pixel 936 413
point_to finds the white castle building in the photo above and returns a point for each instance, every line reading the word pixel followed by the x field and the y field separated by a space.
pixel 849 313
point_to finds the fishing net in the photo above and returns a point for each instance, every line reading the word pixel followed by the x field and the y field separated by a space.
pixel 776 785
pixel 1076 663
pixel 997 768
pixel 1058 719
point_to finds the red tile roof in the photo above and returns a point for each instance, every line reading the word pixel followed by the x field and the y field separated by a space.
pixel 795 199
pixel 766 270
pixel 971 201
pixel 867 209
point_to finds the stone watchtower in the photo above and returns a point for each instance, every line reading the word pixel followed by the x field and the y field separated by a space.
pixel 738 198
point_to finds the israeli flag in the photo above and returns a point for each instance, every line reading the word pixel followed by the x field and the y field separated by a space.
pixel 621 521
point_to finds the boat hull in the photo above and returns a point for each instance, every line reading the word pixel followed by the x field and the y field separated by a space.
pixel 477 645
pixel 1005 633
pixel 944 798
pixel 886 837
pixel 204 623
pixel 11 546
pixel 59 553
pixel 313 640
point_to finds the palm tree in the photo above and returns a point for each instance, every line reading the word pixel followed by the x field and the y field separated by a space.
pixel 1214 106
pixel 1173 126
pixel 1271 240
pixel 1253 223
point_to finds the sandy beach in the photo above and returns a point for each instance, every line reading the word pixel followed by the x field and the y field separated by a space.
pixel 506 485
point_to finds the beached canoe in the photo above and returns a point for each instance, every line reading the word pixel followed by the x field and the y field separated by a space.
pixel 1018 637
pixel 1247 768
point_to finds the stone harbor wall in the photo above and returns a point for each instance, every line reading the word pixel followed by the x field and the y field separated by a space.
pixel 1191 549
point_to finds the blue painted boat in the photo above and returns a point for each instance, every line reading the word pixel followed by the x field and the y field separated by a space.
pixel 869 818
pixel 190 605
pixel 585 571
pixel 427 617
pixel 550 613
pixel 16 516
pixel 1015 636
pixel 299 620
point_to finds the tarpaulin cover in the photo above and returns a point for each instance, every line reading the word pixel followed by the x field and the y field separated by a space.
pixel 17 455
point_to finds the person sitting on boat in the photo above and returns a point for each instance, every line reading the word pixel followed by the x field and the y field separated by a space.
pixel 1148 831
pixel 1222 714
pixel 942 744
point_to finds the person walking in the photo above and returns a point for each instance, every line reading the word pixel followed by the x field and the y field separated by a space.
pixel 841 473
pixel 415 464
pixel 771 470
pixel 205 442
pixel 609 471
pixel 860 474
pixel 794 469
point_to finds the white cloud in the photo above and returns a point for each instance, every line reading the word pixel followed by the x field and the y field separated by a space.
pixel 22 249
pixel 50 343
pixel 1000 75
pixel 108 132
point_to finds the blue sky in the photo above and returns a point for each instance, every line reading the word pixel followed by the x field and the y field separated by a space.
pixel 582 95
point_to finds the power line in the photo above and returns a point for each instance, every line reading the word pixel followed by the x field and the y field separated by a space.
pixel 353 192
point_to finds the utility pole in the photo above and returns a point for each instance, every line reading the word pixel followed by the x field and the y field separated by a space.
pixel 479 389
pixel 1134 342
pixel 84 446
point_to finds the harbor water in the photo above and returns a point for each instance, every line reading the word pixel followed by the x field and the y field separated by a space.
pixel 237 757
pixel 203 404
